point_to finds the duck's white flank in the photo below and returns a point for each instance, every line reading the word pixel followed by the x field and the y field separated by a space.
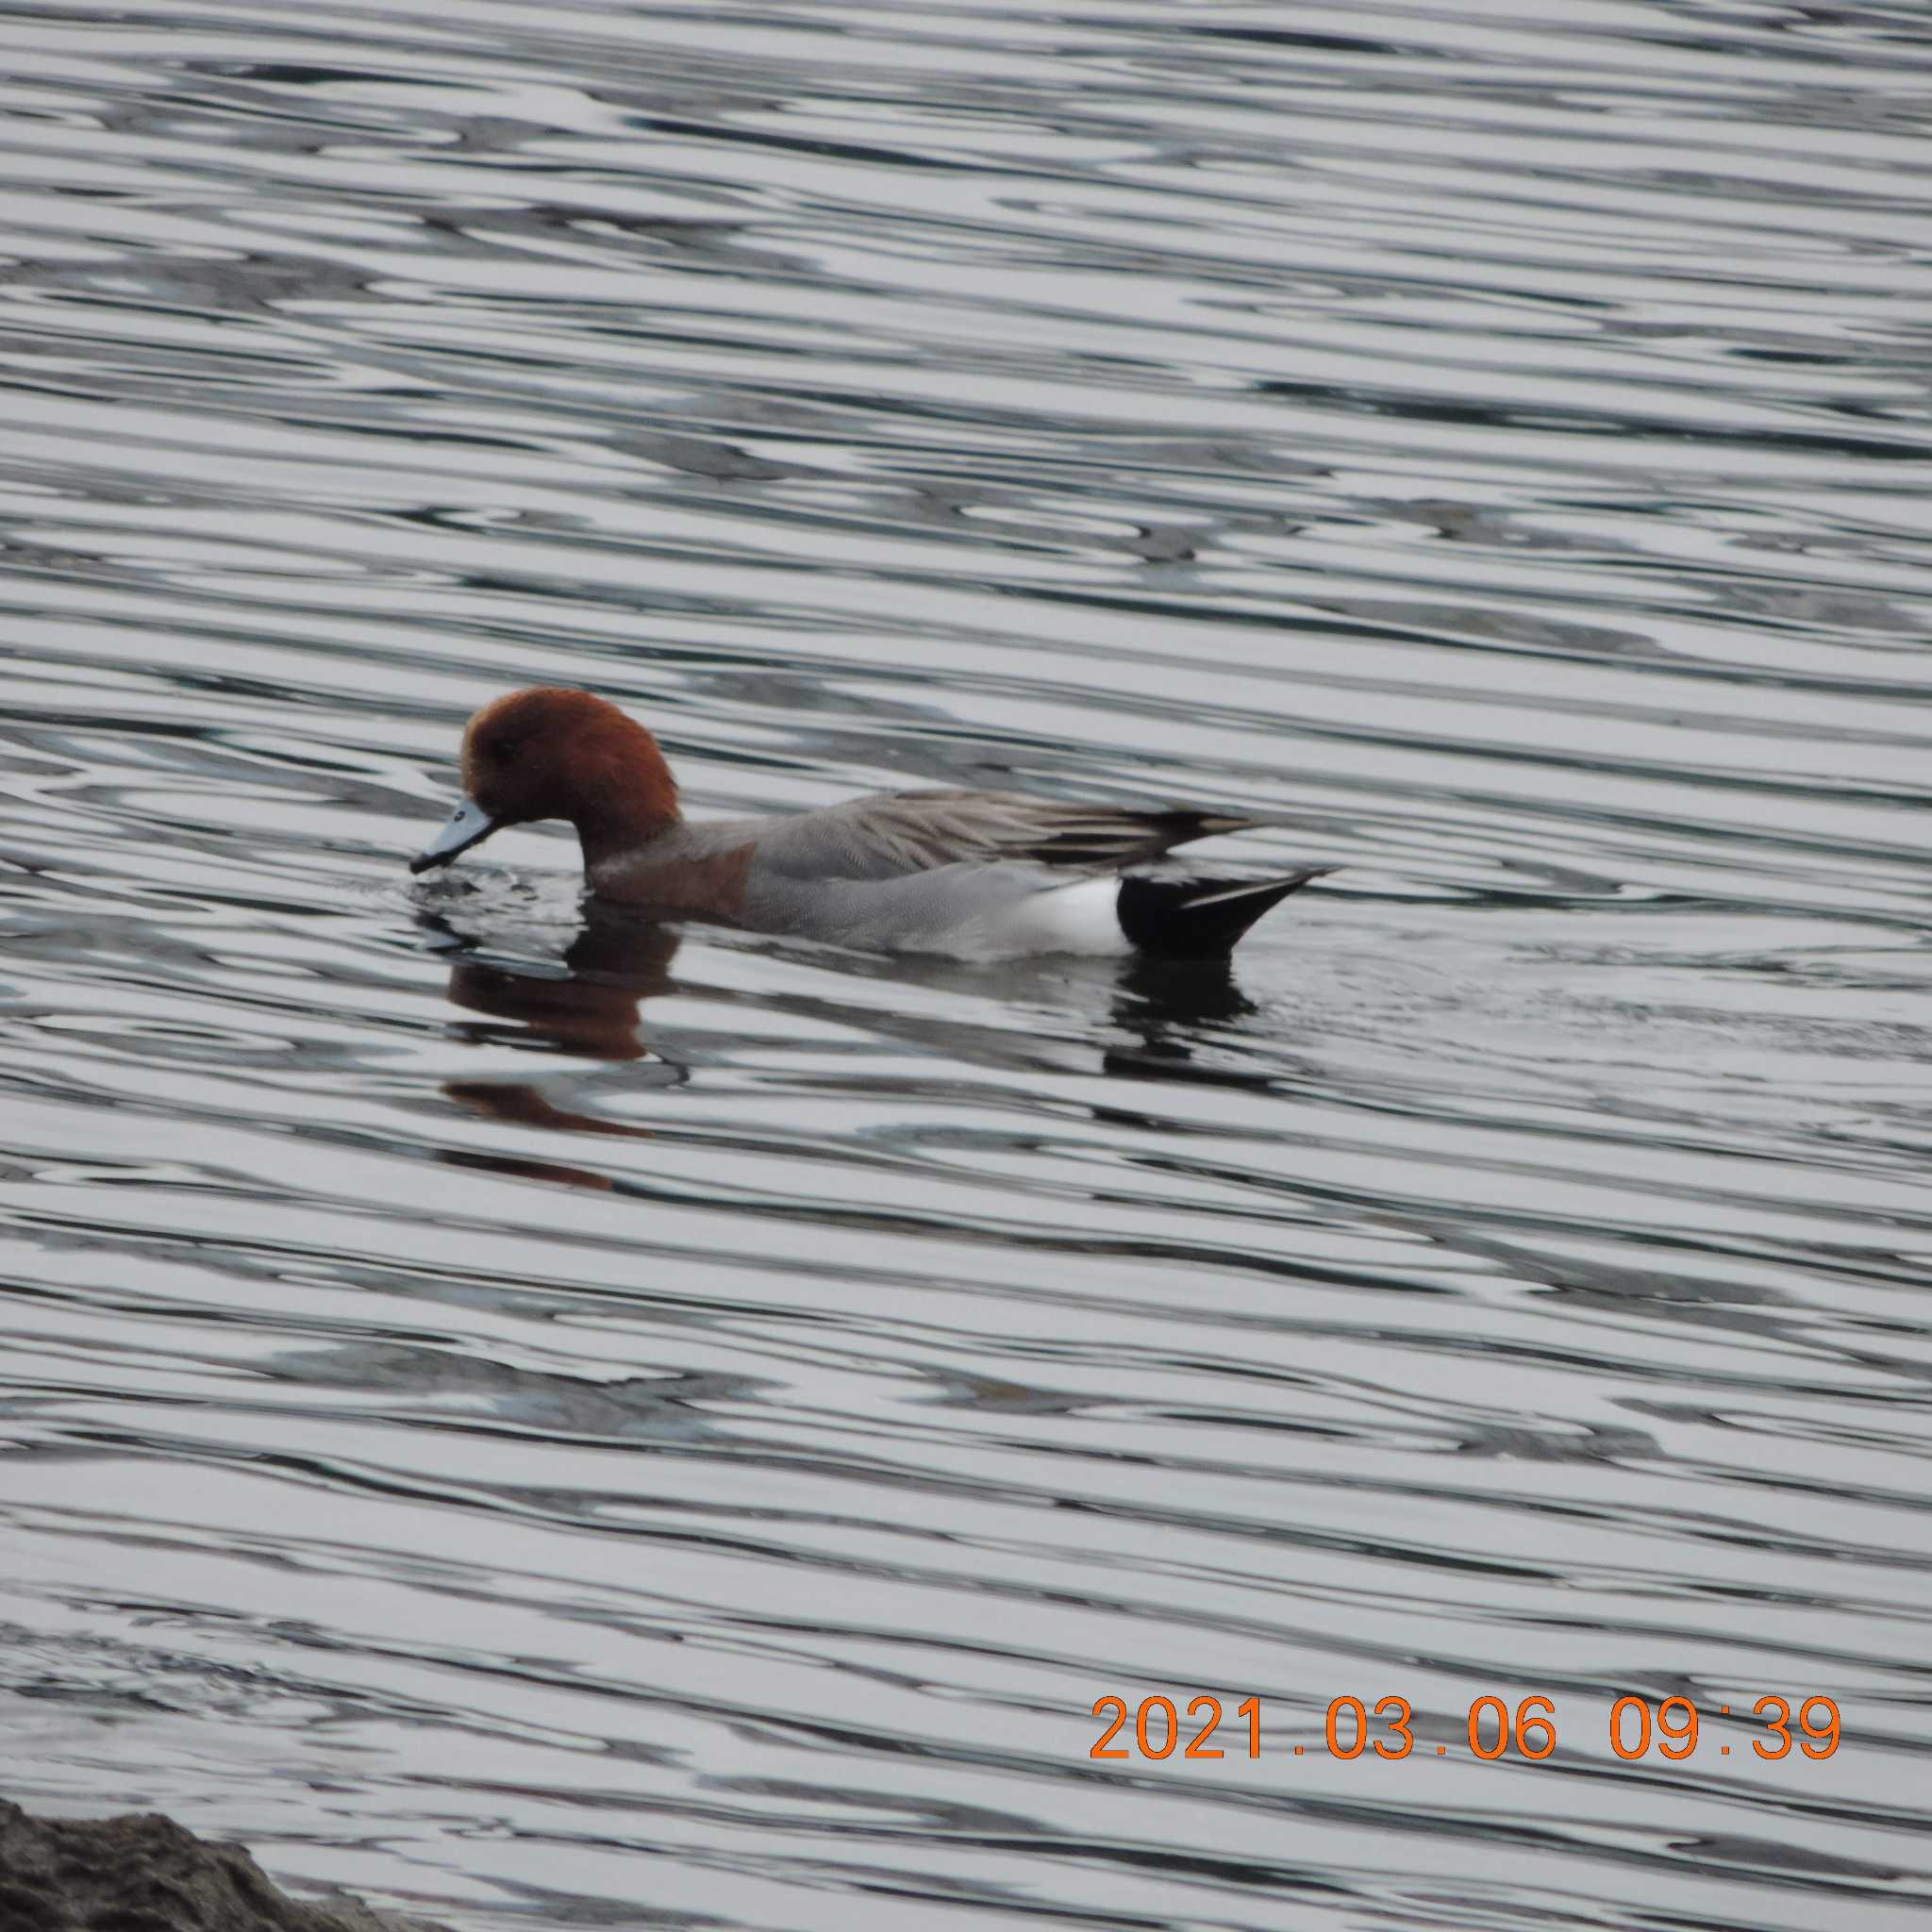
pixel 1083 917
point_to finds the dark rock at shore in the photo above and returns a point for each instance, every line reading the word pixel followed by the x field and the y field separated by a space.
pixel 143 1872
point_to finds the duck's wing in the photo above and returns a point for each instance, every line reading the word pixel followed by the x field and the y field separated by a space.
pixel 895 833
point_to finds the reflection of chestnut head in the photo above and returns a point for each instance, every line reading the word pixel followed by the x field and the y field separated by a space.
pixel 593 1007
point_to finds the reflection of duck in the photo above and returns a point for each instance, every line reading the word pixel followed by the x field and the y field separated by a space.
pixel 971 875
pixel 1164 1005
pixel 590 1010
pixel 1142 1018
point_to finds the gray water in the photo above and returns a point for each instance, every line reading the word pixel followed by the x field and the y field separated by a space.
pixel 549 1422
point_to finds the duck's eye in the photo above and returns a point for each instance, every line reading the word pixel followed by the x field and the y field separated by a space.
pixel 499 751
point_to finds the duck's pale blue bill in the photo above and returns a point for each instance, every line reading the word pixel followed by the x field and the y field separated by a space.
pixel 469 824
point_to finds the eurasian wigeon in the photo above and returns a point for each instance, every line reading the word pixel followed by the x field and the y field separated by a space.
pixel 974 875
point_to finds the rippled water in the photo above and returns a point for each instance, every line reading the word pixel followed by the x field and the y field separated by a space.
pixel 554 1423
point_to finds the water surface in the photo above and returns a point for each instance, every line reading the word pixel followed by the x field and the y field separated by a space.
pixel 549 1420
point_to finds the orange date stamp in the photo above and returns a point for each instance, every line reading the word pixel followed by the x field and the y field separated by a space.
pixel 1494 1728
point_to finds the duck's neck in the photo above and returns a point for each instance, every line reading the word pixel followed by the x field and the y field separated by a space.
pixel 605 835
pixel 628 805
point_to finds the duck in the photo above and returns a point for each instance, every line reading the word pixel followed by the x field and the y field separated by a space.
pixel 968 875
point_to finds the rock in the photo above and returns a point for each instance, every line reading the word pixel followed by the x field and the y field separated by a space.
pixel 143 1872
